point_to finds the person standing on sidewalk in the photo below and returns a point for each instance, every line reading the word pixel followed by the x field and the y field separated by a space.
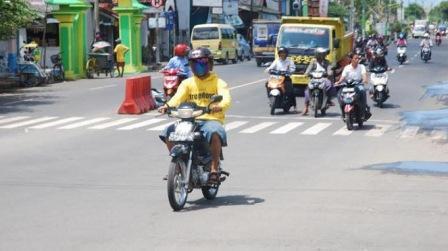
pixel 120 50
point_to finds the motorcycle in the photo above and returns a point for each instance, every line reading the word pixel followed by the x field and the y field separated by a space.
pixel 276 88
pixel 379 80
pixel 438 40
pixel 359 51
pixel 317 89
pixel 350 101
pixel 190 156
pixel 425 54
pixel 58 68
pixel 369 54
pixel 171 81
pixel 401 54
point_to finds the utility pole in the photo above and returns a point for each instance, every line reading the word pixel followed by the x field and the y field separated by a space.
pixel 251 32
pixel 352 15
pixel 96 15
pixel 157 50
pixel 363 7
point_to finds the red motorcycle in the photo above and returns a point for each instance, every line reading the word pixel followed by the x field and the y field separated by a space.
pixel 438 40
pixel 171 81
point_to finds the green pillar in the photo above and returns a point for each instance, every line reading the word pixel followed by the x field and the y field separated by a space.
pixel 72 35
pixel 130 19
pixel 305 8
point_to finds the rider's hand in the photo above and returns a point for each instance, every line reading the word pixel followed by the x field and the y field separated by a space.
pixel 215 108
pixel 162 109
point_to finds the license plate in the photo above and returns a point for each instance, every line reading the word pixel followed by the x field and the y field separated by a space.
pixel 298 79
pixel 348 90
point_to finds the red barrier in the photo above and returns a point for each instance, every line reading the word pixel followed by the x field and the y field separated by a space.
pixel 138 98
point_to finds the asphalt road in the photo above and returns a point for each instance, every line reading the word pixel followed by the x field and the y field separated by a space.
pixel 75 175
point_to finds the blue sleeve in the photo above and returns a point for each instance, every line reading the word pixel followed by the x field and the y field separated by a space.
pixel 170 64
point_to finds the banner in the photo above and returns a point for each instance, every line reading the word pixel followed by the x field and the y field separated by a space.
pixel 208 3
pixel 256 3
pixel 272 4
pixel 230 7
pixel 323 8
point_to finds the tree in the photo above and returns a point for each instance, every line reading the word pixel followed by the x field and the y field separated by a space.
pixel 15 14
pixel 440 12
pixel 414 11
pixel 337 10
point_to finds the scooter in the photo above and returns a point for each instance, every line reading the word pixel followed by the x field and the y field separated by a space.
pixel 351 105
pixel 401 54
pixel 277 91
pixel 171 81
pixel 317 89
pixel 426 51
pixel 379 80
pixel 438 40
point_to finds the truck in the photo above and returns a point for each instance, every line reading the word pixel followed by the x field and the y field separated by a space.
pixel 264 38
pixel 302 35
pixel 420 28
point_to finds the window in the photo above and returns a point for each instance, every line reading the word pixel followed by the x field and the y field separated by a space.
pixel 205 33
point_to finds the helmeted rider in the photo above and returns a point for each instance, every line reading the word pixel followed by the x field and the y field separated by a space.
pixel 372 42
pixel 319 63
pixel 198 89
pixel 426 42
pixel 283 63
pixel 401 41
pixel 180 60
pixel 378 59
pixel 357 72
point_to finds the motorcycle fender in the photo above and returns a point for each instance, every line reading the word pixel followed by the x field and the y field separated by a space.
pixel 348 108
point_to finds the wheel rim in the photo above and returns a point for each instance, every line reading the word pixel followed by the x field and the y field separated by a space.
pixel 180 192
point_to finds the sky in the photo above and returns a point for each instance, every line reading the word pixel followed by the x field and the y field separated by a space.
pixel 425 3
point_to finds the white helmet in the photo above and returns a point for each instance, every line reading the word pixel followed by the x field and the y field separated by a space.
pixel 426 35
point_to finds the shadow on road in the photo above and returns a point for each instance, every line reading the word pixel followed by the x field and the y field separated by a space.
pixel 389 106
pixel 230 200
pixel 23 100
pixel 432 168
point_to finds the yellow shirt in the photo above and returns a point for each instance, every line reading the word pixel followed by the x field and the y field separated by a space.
pixel 199 91
pixel 120 49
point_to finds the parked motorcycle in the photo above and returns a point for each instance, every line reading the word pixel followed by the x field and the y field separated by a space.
pixel 425 54
pixel 379 80
pixel 190 157
pixel 317 89
pixel 401 54
pixel 171 81
pixel 276 88
pixel 58 68
pixel 350 100
pixel 438 40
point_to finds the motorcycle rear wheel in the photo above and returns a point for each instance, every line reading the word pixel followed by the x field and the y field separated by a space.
pixel 177 192
pixel 210 192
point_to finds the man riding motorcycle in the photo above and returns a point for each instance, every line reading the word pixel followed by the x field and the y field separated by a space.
pixel 199 89
pixel 319 63
pixel 283 63
pixel 378 59
pixel 426 43
pixel 357 72
pixel 180 60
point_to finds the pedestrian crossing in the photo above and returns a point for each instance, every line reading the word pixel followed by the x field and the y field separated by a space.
pixel 238 126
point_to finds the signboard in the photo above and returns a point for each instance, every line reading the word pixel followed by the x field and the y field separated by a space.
pixel 152 22
pixel 272 4
pixel 323 8
pixel 255 3
pixel 157 3
pixel 216 10
pixel 230 7
pixel 208 3
pixel 262 31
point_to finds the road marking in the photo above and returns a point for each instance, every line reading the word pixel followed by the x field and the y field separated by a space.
pixel 251 83
pixel 258 127
pixel 286 128
pixel 83 123
pixel 317 128
pixel 141 124
pixel 377 131
pixel 7 120
pixel 234 124
pixel 439 135
pixel 409 132
pixel 28 122
pixel 305 118
pixel 343 132
pixel 113 123
pixel 161 127
pixel 56 123
pixel 102 87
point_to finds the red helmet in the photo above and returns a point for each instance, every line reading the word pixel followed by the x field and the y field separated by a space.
pixel 181 50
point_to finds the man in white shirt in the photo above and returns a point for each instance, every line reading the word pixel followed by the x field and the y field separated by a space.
pixel 426 42
pixel 283 63
pixel 355 71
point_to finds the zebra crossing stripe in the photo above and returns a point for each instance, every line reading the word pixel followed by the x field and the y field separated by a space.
pixel 113 123
pixel 343 132
pixel 377 131
pixel 83 123
pixel 56 123
pixel 317 128
pixel 8 120
pixel 258 127
pixel 28 122
pixel 439 134
pixel 161 127
pixel 286 128
pixel 409 132
pixel 234 124
pixel 141 124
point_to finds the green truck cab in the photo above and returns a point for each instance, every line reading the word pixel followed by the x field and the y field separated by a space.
pixel 302 35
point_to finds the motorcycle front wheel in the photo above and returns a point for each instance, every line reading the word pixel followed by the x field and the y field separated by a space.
pixel 177 191
pixel 272 103
pixel 349 121
pixel 315 107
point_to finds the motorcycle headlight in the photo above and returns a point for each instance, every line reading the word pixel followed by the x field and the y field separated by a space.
pixel 348 100
pixel 183 132
pixel 380 88
pixel 274 92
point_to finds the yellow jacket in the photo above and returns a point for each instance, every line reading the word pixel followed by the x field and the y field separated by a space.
pixel 121 50
pixel 199 91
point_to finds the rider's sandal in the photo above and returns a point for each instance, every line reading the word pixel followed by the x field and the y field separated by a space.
pixel 213 178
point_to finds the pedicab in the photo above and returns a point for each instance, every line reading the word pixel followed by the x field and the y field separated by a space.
pixel 100 60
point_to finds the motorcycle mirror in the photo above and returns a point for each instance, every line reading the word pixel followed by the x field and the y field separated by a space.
pixel 216 98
